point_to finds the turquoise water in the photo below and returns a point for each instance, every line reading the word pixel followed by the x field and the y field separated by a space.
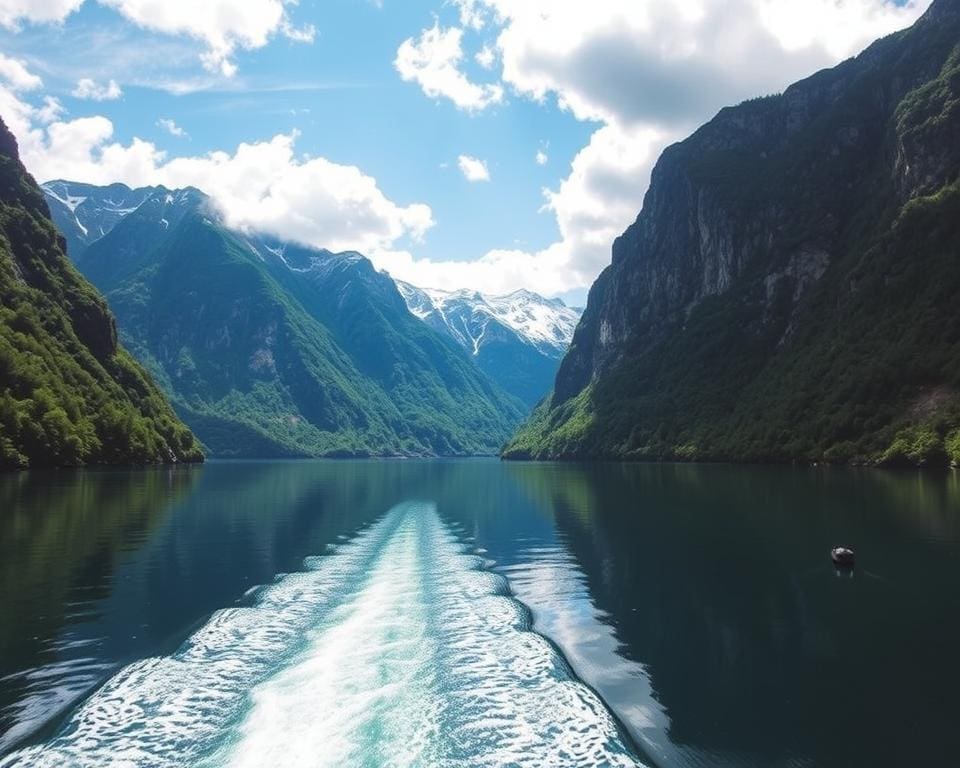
pixel 449 613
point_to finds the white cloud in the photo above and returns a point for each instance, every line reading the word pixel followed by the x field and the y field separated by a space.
pixel 541 157
pixel 90 89
pixel 262 186
pixel 265 186
pixel 472 13
pixel 497 272
pixel 304 34
pixel 676 63
pixel 51 110
pixel 19 116
pixel 223 25
pixel 14 12
pixel 171 127
pixel 432 62
pixel 486 57
pixel 839 28
pixel 649 71
pixel 602 196
pixel 473 169
pixel 18 77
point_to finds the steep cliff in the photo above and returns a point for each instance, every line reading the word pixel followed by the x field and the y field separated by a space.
pixel 788 290
pixel 69 394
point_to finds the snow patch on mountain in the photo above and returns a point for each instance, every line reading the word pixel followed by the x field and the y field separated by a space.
pixel 468 316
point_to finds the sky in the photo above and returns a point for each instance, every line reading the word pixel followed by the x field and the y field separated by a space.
pixel 483 144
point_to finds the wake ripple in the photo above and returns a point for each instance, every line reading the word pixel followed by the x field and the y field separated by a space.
pixel 397 649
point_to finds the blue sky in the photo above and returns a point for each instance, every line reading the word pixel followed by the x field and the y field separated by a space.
pixel 372 147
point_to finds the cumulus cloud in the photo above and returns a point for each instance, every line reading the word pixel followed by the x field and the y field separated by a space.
pixel 473 169
pixel 171 127
pixel 263 186
pixel 14 12
pixel 601 196
pixel 675 63
pixel 19 116
pixel 496 272
pixel 541 157
pixel 433 60
pixel 17 76
pixel 90 89
pixel 839 28
pixel 649 71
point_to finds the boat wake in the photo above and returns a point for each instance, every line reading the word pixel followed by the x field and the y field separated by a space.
pixel 396 649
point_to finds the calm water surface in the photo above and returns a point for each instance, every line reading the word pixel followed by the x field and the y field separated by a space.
pixel 380 613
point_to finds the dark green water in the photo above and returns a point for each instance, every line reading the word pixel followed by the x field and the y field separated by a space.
pixel 698 602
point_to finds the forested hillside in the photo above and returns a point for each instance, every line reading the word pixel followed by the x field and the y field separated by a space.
pixel 69 393
pixel 267 348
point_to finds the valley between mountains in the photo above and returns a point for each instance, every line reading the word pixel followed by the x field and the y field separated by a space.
pixel 270 348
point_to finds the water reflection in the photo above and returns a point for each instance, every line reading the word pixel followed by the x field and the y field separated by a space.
pixel 699 601
pixel 719 587
pixel 62 536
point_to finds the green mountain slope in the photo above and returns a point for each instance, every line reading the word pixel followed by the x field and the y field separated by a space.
pixel 270 349
pixel 69 394
pixel 789 290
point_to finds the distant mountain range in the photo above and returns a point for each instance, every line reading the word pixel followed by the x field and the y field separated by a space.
pixel 69 393
pixel 270 348
pixel 789 290
pixel 517 339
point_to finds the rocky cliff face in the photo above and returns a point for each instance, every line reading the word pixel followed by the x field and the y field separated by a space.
pixel 765 223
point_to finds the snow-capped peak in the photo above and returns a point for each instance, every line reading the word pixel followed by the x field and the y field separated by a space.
pixel 546 324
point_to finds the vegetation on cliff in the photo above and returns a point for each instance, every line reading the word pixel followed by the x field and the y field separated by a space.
pixel 789 291
pixel 69 394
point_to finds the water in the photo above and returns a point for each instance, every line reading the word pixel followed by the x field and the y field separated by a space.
pixel 451 613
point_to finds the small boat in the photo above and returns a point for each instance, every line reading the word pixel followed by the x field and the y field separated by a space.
pixel 842 557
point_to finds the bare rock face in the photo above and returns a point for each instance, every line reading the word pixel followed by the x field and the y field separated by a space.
pixel 753 230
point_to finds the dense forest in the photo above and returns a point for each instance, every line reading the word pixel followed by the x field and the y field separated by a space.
pixel 69 393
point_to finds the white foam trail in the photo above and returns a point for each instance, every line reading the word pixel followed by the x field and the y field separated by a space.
pixel 396 650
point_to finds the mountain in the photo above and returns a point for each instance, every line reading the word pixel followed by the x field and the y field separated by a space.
pixel 69 393
pixel 518 339
pixel 84 212
pixel 788 292
pixel 269 348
